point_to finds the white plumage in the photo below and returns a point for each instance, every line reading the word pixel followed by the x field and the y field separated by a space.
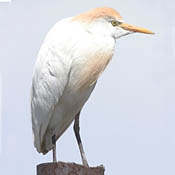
pixel 58 73
pixel 72 57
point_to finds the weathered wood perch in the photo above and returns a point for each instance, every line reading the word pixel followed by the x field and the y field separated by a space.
pixel 62 168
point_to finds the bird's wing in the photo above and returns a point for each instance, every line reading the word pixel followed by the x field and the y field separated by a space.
pixel 50 77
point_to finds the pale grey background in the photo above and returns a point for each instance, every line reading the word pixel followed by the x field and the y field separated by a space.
pixel 129 122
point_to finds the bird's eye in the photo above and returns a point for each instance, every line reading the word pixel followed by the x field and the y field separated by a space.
pixel 115 23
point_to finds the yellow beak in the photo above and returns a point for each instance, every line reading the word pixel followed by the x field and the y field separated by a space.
pixel 135 29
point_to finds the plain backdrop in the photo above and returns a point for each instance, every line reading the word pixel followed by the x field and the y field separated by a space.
pixel 128 124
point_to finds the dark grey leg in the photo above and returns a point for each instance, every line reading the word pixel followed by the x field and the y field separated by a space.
pixel 54 148
pixel 77 134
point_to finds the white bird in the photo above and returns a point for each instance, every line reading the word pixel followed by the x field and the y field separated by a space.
pixel 73 55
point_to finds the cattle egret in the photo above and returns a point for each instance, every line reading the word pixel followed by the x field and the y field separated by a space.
pixel 72 57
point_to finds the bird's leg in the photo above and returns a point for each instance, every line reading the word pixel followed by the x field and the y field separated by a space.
pixel 77 134
pixel 54 148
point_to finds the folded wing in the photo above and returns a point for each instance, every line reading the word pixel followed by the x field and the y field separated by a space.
pixel 50 77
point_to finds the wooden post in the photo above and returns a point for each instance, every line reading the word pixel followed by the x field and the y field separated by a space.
pixel 62 168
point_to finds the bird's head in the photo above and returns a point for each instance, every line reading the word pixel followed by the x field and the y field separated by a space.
pixel 107 22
